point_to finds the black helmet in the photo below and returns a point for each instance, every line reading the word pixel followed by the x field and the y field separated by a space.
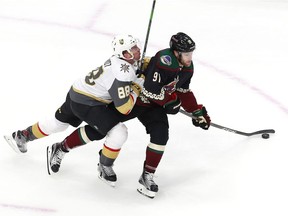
pixel 182 42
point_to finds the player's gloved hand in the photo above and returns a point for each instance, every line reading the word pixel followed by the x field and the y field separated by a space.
pixel 202 119
pixel 137 85
pixel 143 66
pixel 173 105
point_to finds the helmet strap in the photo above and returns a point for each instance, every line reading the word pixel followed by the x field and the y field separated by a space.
pixel 132 55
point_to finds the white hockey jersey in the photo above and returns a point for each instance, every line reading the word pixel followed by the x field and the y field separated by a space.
pixel 111 82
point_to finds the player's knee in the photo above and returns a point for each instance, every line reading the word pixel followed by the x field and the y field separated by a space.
pixel 159 133
pixel 93 134
pixel 52 125
pixel 117 136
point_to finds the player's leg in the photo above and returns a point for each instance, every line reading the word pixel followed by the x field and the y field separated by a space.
pixel 59 122
pixel 156 123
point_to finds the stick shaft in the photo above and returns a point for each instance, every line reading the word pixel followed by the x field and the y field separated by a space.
pixel 147 34
pixel 230 129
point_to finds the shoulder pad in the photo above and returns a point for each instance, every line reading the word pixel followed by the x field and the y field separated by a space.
pixel 166 59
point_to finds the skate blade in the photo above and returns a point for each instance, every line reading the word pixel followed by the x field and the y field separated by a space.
pixel 48 157
pixel 110 183
pixel 142 190
pixel 12 143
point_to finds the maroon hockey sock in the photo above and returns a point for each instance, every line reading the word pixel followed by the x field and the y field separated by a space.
pixel 75 139
pixel 152 160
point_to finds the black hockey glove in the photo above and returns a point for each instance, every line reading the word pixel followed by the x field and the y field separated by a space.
pixel 173 106
pixel 202 119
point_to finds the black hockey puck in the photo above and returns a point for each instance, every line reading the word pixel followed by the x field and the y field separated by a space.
pixel 265 136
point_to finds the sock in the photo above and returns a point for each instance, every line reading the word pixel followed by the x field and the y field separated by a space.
pixel 36 132
pixel 154 154
pixel 75 139
pixel 108 155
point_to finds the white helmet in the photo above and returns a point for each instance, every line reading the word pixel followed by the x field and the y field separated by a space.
pixel 121 43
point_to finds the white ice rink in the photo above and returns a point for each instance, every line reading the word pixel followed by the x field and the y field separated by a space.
pixel 240 76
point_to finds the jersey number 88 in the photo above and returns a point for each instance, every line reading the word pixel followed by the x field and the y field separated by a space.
pixel 123 92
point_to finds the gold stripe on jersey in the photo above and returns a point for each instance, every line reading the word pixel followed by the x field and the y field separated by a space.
pixel 126 107
pixel 91 96
pixel 37 131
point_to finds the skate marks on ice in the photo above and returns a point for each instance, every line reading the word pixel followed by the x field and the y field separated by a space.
pixel 25 208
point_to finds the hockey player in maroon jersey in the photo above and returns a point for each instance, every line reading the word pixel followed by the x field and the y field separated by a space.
pixel 166 88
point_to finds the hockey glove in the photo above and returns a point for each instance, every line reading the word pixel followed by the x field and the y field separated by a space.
pixel 137 85
pixel 144 65
pixel 136 88
pixel 202 119
pixel 173 106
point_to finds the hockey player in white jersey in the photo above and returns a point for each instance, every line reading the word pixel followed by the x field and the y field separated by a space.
pixel 115 82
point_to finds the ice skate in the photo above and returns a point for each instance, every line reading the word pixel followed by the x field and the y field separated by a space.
pixel 147 186
pixel 18 141
pixel 54 157
pixel 107 174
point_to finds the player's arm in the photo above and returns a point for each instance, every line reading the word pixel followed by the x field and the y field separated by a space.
pixel 124 94
pixel 189 103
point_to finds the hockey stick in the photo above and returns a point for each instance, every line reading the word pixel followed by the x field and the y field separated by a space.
pixel 265 131
pixel 147 34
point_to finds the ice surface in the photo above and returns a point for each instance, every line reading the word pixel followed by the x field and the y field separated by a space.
pixel 240 76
